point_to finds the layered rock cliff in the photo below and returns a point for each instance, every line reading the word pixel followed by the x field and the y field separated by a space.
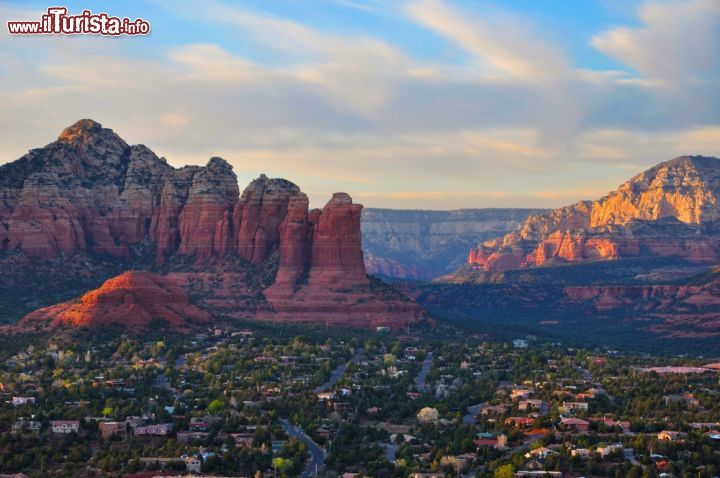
pixel 415 244
pixel 688 309
pixel 91 193
pixel 672 209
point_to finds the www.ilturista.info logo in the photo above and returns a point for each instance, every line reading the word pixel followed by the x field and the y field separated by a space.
pixel 58 22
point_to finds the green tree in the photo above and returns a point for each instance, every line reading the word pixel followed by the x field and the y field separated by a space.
pixel 505 471
pixel 216 407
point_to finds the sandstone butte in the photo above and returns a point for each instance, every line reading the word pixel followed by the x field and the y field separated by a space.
pixel 672 209
pixel 90 192
pixel 132 299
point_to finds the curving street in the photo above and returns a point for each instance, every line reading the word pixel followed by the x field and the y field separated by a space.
pixel 420 379
pixel 317 454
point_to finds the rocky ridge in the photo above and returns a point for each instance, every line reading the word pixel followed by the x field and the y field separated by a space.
pixel 91 193
pixel 672 209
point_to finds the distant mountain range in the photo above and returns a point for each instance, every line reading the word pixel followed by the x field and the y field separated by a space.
pixel 416 244
pixel 633 266
pixel 672 209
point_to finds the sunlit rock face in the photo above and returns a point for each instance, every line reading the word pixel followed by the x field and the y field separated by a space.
pixel 671 209
pixel 132 299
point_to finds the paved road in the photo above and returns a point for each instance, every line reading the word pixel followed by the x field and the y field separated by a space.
pixel 420 379
pixel 339 371
pixel 317 454
pixel 630 456
pixel 472 412
pixel 161 381
pixel 180 361
pixel 390 450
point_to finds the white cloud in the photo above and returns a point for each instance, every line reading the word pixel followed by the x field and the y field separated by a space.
pixel 500 45
pixel 515 124
pixel 637 150
pixel 677 42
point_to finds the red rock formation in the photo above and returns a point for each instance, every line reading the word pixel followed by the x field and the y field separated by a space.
pixel 336 248
pixel 684 310
pixel 205 223
pixel 337 289
pixel 672 209
pixel 89 192
pixel 492 260
pixel 296 235
pixel 133 299
pixel 258 215
pixel 389 267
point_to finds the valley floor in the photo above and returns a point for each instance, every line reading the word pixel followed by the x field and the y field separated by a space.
pixel 265 400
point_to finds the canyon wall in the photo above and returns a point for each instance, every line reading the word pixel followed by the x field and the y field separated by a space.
pixel 417 244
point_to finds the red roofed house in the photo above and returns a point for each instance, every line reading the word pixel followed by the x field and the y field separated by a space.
pixel 519 422
pixel 575 423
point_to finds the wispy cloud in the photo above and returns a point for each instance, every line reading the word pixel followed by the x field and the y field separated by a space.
pixel 501 45
pixel 509 120
pixel 676 43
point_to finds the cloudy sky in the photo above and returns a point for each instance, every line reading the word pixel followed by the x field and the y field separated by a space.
pixel 406 104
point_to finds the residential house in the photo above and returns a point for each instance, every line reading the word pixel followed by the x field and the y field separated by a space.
pixel 669 435
pixel 161 429
pixel 243 439
pixel 498 442
pixel 490 410
pixel 609 449
pixel 193 464
pixel 519 394
pixel 540 453
pixel 136 421
pixel 580 452
pixel 198 424
pixel 65 426
pixel 110 429
pixel 625 425
pixel 576 424
pixel 30 427
pixel 520 422
pixel 326 396
pixel 530 404
pixel 570 407
pixel 19 401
